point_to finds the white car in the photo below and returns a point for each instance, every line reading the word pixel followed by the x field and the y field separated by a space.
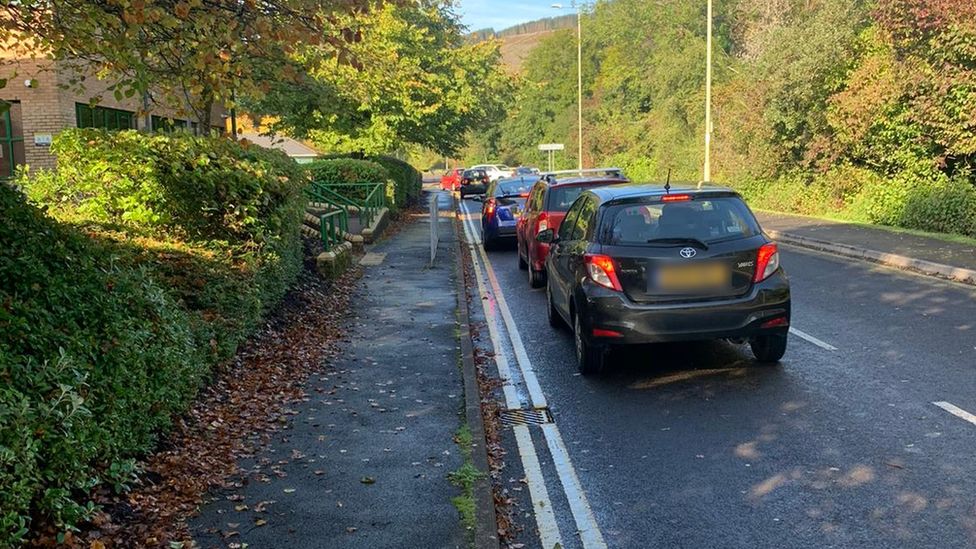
pixel 495 171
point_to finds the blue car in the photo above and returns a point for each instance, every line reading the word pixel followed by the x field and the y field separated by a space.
pixel 502 207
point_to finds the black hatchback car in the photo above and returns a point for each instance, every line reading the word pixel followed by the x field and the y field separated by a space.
pixel 474 181
pixel 644 264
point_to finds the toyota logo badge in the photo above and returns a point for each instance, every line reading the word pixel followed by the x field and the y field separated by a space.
pixel 688 253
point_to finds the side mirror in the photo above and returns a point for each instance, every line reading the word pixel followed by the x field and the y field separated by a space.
pixel 547 236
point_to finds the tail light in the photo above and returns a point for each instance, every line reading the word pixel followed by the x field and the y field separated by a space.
pixel 676 198
pixel 542 223
pixel 490 207
pixel 602 271
pixel 767 261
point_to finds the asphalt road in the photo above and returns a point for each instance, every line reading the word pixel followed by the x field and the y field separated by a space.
pixel 841 445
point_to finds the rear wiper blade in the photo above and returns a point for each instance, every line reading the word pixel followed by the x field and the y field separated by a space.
pixel 679 242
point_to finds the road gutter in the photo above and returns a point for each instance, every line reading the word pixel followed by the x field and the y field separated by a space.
pixel 921 266
pixel 486 524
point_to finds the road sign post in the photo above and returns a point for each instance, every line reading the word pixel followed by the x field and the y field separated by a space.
pixel 551 148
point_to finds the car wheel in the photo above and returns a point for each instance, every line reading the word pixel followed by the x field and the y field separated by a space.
pixel 768 349
pixel 536 278
pixel 552 314
pixel 522 264
pixel 589 358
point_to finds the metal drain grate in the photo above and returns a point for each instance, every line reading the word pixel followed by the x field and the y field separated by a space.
pixel 537 416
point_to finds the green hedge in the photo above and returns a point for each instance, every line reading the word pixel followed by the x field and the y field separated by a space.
pixel 408 180
pixel 119 301
pixel 923 200
pixel 404 181
pixel 350 170
pixel 201 187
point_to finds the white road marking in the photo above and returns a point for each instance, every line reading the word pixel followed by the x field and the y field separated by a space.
pixel 586 525
pixel 541 504
pixel 525 365
pixel 589 532
pixel 956 411
pixel 811 339
pixel 512 401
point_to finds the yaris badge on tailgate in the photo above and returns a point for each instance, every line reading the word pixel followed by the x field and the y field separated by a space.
pixel 688 253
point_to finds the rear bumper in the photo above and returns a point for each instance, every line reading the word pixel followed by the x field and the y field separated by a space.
pixel 473 188
pixel 501 229
pixel 637 323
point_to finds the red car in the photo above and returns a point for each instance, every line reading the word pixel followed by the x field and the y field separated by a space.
pixel 545 208
pixel 451 181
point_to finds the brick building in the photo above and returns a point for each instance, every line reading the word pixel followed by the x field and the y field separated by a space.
pixel 41 104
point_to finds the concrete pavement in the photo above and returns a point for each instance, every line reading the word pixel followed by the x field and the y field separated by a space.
pixel 365 460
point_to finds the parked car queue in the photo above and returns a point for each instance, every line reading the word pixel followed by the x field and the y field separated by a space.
pixel 626 263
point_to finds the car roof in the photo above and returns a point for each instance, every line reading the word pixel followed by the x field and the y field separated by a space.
pixel 529 178
pixel 586 180
pixel 638 190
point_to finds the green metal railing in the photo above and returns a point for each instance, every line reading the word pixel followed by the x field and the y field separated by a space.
pixel 334 226
pixel 367 198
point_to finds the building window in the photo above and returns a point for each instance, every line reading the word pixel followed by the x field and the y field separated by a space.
pixel 12 152
pixel 104 117
pixel 163 124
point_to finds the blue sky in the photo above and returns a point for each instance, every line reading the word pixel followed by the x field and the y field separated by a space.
pixel 501 14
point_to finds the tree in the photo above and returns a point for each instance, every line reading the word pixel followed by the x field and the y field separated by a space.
pixel 417 82
pixel 193 53
pixel 934 45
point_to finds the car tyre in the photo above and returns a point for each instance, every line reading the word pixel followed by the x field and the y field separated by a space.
pixel 552 314
pixel 488 243
pixel 536 278
pixel 589 358
pixel 768 349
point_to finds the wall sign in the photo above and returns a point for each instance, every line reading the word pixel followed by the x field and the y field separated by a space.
pixel 42 140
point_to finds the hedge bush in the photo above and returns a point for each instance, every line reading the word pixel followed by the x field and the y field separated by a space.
pixel 404 182
pixel 350 170
pixel 120 301
pixel 921 200
pixel 95 357
pixel 202 187
pixel 409 181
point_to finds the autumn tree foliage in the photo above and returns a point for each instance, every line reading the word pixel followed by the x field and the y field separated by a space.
pixel 934 42
pixel 196 52
pixel 416 82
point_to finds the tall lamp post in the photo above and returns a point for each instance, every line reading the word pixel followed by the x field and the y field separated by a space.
pixel 707 171
pixel 579 78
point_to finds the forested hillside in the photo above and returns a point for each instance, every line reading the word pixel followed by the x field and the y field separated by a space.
pixel 863 110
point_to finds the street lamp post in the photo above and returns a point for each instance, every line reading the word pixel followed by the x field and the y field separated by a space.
pixel 579 79
pixel 707 171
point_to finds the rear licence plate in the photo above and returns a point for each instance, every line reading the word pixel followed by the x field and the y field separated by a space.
pixel 703 276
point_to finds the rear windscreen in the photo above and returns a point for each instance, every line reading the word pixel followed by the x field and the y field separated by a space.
pixel 561 198
pixel 513 187
pixel 709 220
